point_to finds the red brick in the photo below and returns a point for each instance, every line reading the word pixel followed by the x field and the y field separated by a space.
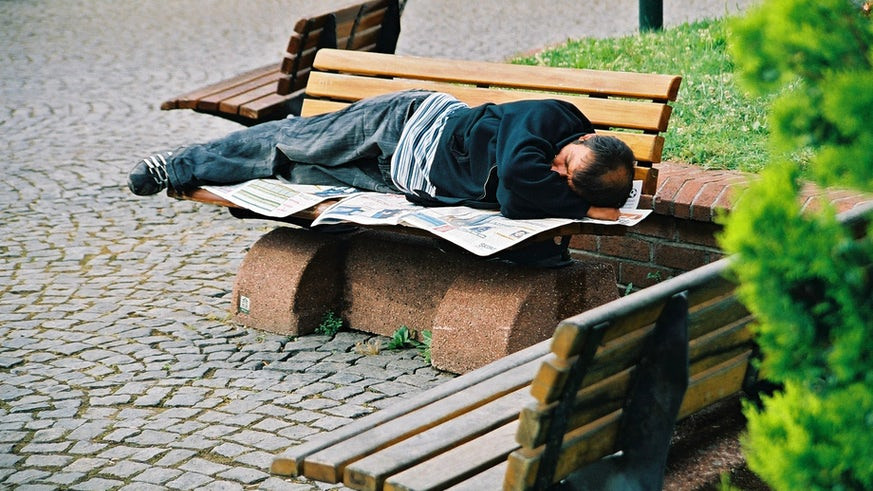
pixel 655 225
pixel 674 255
pixel 728 199
pixel 585 242
pixel 626 247
pixel 685 197
pixel 700 233
pixel 849 203
pixel 702 208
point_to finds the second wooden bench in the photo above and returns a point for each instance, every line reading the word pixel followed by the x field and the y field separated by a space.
pixel 276 90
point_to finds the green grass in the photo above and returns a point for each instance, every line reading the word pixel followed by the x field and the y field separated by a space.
pixel 714 123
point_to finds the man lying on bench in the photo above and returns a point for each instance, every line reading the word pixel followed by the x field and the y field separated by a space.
pixel 530 159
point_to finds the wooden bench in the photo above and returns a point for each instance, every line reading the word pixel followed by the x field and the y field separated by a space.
pixel 611 379
pixel 513 307
pixel 275 91
pixel 631 106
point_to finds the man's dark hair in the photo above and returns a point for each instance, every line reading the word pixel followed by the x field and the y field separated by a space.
pixel 608 180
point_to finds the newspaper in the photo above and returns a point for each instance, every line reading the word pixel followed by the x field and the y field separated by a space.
pixel 274 198
pixel 482 232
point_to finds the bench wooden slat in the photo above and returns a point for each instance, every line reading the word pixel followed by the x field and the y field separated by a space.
pixel 259 86
pixel 189 100
pixel 580 446
pixel 611 358
pixel 583 81
pixel 370 472
pixel 715 384
pixel 491 478
pixel 591 402
pixel 647 148
pixel 234 103
pixel 718 311
pixel 267 106
pixel 723 339
pixel 466 460
pixel 649 116
pixel 291 461
pixel 329 463
pixel 307 36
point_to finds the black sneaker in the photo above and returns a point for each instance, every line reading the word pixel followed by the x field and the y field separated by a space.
pixel 149 175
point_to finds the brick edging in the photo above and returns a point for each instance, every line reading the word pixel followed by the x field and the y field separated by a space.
pixel 691 192
pixel 681 233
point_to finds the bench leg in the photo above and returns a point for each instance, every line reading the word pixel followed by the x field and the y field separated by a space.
pixel 288 280
pixel 492 310
pixel 650 413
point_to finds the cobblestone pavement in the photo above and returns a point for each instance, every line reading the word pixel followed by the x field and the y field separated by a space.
pixel 118 366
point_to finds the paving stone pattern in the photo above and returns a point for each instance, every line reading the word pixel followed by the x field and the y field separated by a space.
pixel 119 368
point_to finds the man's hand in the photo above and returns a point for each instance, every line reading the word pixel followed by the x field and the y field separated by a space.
pixel 601 213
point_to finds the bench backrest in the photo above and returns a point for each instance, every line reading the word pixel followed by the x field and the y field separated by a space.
pixel 368 26
pixel 581 389
pixel 632 106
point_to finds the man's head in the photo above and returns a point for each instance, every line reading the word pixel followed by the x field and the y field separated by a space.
pixel 598 168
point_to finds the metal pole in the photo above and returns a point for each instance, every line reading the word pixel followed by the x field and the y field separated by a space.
pixel 651 15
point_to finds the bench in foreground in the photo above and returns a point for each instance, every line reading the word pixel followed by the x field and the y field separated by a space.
pixel 611 379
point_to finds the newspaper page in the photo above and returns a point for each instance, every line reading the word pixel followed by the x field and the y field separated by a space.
pixel 274 198
pixel 367 208
pixel 482 232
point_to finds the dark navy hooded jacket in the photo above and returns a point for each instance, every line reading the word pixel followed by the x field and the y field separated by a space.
pixel 501 155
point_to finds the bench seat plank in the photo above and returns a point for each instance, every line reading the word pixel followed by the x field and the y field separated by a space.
pixel 580 446
pixel 370 472
pixel 291 461
pixel 190 100
pixel 715 384
pixel 235 102
pixel 463 461
pixel 583 81
pixel 491 478
pixel 648 116
pixel 212 101
pixel 329 464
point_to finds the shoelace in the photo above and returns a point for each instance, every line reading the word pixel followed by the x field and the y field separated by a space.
pixel 158 170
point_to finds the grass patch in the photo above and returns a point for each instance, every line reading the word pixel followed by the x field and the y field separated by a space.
pixel 714 124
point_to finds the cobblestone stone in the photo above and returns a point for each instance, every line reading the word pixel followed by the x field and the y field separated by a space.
pixel 119 368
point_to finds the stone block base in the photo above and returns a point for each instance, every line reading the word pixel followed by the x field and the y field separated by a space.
pixel 477 310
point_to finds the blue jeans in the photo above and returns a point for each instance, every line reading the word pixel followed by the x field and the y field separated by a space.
pixel 349 147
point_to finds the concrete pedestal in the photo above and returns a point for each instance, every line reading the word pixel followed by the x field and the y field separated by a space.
pixel 477 310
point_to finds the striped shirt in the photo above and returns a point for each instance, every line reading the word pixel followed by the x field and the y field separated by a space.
pixel 413 157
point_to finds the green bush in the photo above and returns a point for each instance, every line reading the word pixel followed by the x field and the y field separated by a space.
pixel 804 276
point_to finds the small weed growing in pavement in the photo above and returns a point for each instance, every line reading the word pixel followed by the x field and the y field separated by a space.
pixel 404 338
pixel 424 349
pixel 369 347
pixel 330 324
